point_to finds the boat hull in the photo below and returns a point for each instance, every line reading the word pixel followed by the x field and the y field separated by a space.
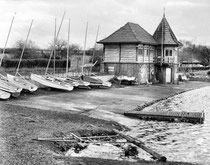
pixel 4 95
pixel 22 83
pixel 96 82
pixel 6 86
pixel 49 81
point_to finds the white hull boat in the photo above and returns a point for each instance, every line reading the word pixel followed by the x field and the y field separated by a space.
pixel 22 83
pixel 4 95
pixel 77 83
pixel 66 80
pixel 96 81
pixel 6 86
pixel 51 82
pixel 15 91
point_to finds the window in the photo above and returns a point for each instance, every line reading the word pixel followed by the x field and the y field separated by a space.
pixel 146 52
pixel 168 52
pixel 152 53
pixel 140 51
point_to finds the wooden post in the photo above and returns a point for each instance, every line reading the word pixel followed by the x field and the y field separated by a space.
pixel 141 145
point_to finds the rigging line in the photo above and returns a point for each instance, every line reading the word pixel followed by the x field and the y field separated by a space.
pixel 7 38
pixel 67 59
pixel 56 38
pixel 94 50
pixel 162 51
pixel 21 56
pixel 83 57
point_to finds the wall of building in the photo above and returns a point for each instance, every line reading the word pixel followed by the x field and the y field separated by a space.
pixel 111 53
pixel 138 61
pixel 142 72
pixel 128 53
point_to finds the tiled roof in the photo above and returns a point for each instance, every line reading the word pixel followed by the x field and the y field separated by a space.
pixel 164 34
pixel 130 33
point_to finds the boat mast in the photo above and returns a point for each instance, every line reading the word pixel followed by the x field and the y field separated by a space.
pixel 7 39
pixel 54 49
pixel 56 38
pixel 67 59
pixel 21 56
pixel 94 50
pixel 83 57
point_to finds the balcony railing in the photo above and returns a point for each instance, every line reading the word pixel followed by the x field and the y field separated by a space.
pixel 164 60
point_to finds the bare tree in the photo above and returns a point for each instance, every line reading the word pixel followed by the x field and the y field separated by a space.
pixel 30 50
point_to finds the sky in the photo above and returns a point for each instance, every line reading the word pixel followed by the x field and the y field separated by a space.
pixel 189 19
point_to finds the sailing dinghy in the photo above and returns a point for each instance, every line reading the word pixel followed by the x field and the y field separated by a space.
pixel 93 81
pixel 68 79
pixel 51 80
pixel 4 95
pixel 96 81
pixel 6 86
pixel 18 79
pixel 21 82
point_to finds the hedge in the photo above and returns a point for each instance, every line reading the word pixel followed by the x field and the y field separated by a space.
pixel 32 63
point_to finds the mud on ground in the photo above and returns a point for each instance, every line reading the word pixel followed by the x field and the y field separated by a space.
pixel 19 125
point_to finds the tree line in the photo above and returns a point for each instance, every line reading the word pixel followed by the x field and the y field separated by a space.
pixel 191 51
pixel 33 52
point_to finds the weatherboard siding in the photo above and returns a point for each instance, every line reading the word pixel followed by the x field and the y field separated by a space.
pixel 128 53
pixel 112 53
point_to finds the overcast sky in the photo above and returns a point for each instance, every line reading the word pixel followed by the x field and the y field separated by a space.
pixel 189 19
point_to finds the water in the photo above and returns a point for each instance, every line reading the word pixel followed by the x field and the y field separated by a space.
pixel 179 141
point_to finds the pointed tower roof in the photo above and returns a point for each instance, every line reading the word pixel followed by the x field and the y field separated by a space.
pixel 130 33
pixel 164 34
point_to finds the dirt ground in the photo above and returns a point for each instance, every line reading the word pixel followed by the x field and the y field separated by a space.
pixel 56 114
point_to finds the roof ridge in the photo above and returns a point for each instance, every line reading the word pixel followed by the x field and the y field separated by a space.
pixel 133 30
pixel 171 32
pixel 163 27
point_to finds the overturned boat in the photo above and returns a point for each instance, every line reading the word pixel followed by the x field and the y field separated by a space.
pixel 130 80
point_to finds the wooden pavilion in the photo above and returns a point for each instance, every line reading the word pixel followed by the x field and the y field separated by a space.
pixel 131 51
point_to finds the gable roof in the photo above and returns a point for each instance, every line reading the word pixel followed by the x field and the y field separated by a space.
pixel 130 33
pixel 164 34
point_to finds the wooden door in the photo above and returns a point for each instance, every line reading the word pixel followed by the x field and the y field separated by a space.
pixel 168 75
